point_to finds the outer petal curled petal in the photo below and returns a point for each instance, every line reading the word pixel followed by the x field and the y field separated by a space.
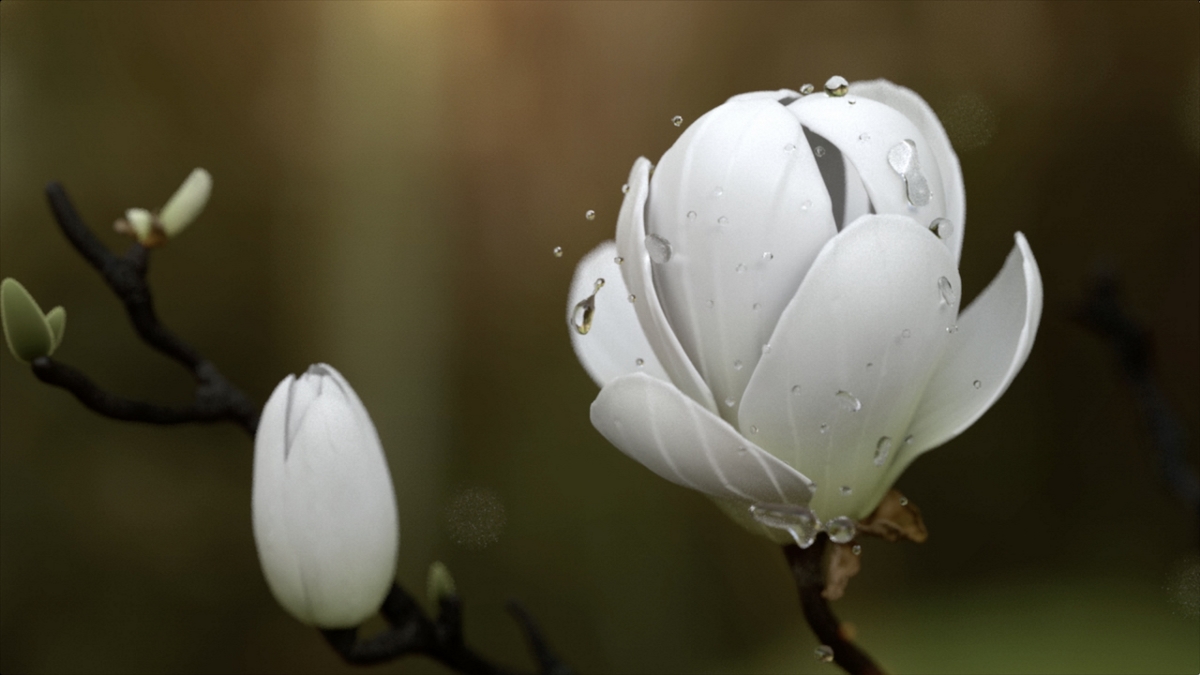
pixel 994 337
pixel 850 358
pixel 676 438
pixel 614 345
pixel 639 279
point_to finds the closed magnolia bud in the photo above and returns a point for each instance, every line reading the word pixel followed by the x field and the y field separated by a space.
pixel 29 333
pixel 187 202
pixel 324 511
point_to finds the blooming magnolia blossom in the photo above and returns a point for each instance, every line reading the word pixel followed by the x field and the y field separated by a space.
pixel 777 324
pixel 324 511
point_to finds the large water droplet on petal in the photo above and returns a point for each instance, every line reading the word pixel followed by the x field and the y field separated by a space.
pixel 806 89
pixel 917 188
pixel 837 86
pixel 658 248
pixel 902 157
pixel 840 529
pixel 850 401
pixel 581 316
pixel 800 522
pixel 941 227
pixel 882 449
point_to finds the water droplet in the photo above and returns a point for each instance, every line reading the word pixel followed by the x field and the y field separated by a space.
pixel 856 549
pixel 722 220
pixel 824 428
pixel 864 137
pixel 710 303
pixel 729 401
pixel 599 283
pixel 882 449
pixel 557 251
pixel 753 429
pixel 789 147
pixel 819 151
pixel 740 268
pixel 917 187
pixel 851 101
pixel 941 227
pixel 691 215
pixel 796 389
pixel 805 205
pixel 718 191
pixel 947 290
pixel 658 248
pixel 849 400
pixel 806 89
pixel 625 188
pixel 906 333
pixel 766 349
pixel 640 363
pixel 869 364
pixel 756 306
pixel 632 297
pixel 742 448
pixel 799 521
pixel 902 157
pixel 581 316
pixel 767 255
pixel 977 384
pixel 837 86
pixel 840 529
pixel 677 120
pixel 737 365
pixel 824 654
pixel 590 215
pixel 846 489
pixel 618 260
pixel 904 501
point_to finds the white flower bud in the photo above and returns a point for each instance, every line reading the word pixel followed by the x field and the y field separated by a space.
pixel 141 222
pixel 324 511
pixel 187 203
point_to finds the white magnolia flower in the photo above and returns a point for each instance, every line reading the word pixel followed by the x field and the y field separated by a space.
pixel 780 310
pixel 324 511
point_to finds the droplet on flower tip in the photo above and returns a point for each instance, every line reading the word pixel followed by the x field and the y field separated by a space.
pixel 840 529
pixel 824 654
pixel 846 490
pixel 849 400
pixel 837 86
pixel 729 401
pixel 658 248
pixel 625 189
pixel 856 549
pixel 632 297
pixel 882 449
pixel 590 215
pixel 977 384
pixel 796 389
pixel 677 120
pixel 599 283
pixel 941 227
pixel 691 215
pixel 722 220
pixel 949 297
pixel 819 151
pixel 800 522
pixel 806 89
pixel 640 363
pixel 581 316
pixel 558 251
pixel 906 333
pixel 618 260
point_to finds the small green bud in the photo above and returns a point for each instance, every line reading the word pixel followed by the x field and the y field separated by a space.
pixel 439 584
pixel 57 320
pixel 187 202
pixel 28 334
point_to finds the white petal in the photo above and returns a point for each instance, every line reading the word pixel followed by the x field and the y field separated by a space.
pixel 676 438
pixel 860 339
pixel 916 109
pixel 187 202
pixel 995 334
pixel 639 279
pixel 775 95
pixel 615 344
pixel 865 131
pixel 741 201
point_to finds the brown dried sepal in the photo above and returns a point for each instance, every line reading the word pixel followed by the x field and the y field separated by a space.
pixel 840 566
pixel 156 238
pixel 895 519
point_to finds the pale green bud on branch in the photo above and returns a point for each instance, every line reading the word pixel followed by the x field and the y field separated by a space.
pixel 439 584
pixel 30 334
pixel 187 202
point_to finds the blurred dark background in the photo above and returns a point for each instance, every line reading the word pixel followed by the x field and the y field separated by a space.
pixel 390 180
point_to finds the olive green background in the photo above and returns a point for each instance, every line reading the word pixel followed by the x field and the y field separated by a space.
pixel 390 181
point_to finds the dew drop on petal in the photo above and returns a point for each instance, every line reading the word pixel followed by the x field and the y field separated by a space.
pixel 677 120
pixel 729 401
pixel 840 529
pixel 819 151
pixel 737 365
pixel 824 428
pixel 851 101
pixel 691 215
pixel 917 187
pixel 722 220
pixel 632 297
pixel 805 205
pixel 800 522
pixel 789 147
pixel 849 400
pixel 949 297
pixel 902 157
pixel 625 188
pixel 806 89
pixel 599 283
pixel 796 389
pixel 581 316
pixel 857 549
pixel 756 306
pixel 557 251
pixel 618 260
pixel 952 329
pixel 846 490
pixel 767 255
pixel 977 384
pixel 864 137
pixel 658 248
pixel 824 654
pixel 766 349
pixel 906 333
pixel 837 86
pixel 740 268
pixel 908 439
pixel 718 191
pixel 882 449
pixel 640 363
pixel 590 215
pixel 753 429
pixel 941 227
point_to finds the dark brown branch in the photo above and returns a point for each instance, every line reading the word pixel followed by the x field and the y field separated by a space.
pixel 807 565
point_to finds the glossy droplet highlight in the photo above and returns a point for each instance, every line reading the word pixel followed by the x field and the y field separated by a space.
pixel 917 188
pixel 691 215
pixel 902 157
pixel 599 283
pixel 824 654
pixel 729 401
pixel 737 365
pixel 677 120
pixel 864 137
pixel 753 429
pixel 722 220
pixel 904 501
pixel 805 205
pixel 840 529
pixel 908 439
pixel 798 521
pixel 557 251
pixel 625 189
pixel 977 384
pixel 590 215
pixel 768 255
pixel 658 248
pixel 941 227
pixel 849 401
pixel 806 89
pixel 618 260
pixel 640 363
pixel 949 297
pixel 766 349
pixel 883 448
pixel 846 490
pixel 582 315
pixel 837 86
pixel 718 191
pixel 756 306
pixel 632 297
pixel 796 389
pixel 819 151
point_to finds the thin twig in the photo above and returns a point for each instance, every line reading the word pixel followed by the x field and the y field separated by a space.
pixel 807 565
